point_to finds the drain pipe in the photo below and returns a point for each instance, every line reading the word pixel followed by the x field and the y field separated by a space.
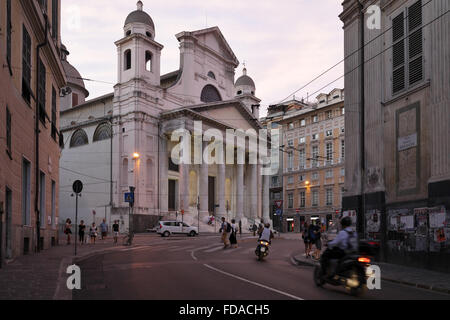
pixel 37 173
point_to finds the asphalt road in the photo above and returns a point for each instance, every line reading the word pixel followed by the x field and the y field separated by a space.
pixel 182 268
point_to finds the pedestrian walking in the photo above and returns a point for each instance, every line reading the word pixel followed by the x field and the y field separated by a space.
pixel 81 231
pixel 225 229
pixel 233 235
pixel 116 230
pixel 68 230
pixel 104 229
pixel 93 232
pixel 318 241
pixel 254 229
pixel 306 240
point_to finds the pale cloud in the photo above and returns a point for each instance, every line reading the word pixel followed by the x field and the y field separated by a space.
pixel 284 43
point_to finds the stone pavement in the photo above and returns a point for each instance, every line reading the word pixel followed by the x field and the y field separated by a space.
pixel 37 276
pixel 420 278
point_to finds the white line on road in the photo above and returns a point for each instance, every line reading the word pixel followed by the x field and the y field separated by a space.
pixel 182 248
pixel 254 283
pixel 232 250
pixel 214 249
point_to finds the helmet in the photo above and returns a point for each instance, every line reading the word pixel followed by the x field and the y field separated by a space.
pixel 346 222
pixel 267 225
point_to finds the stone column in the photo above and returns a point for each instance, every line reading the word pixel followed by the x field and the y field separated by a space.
pixel 163 178
pixel 253 191
pixel 266 198
pixel 221 211
pixel 239 192
pixel 203 190
pixel 184 187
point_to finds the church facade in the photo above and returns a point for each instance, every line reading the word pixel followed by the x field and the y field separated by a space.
pixel 126 138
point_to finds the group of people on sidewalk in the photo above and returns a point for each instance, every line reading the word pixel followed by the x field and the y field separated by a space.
pixel 93 231
pixel 229 233
pixel 312 235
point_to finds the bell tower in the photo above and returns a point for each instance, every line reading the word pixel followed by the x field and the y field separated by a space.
pixel 139 55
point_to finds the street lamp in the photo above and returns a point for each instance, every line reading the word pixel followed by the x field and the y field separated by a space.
pixel 136 156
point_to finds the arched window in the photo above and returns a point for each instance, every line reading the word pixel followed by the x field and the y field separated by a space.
pixel 127 59
pixel 128 33
pixel 148 61
pixel 210 94
pixel 148 34
pixel 103 132
pixel 79 138
pixel 212 75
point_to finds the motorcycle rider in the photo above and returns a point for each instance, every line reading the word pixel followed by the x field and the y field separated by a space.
pixel 345 242
pixel 266 234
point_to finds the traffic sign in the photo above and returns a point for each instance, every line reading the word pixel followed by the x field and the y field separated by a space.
pixel 129 197
pixel 279 212
pixel 279 203
pixel 77 187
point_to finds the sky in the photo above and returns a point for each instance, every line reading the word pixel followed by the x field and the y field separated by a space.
pixel 284 43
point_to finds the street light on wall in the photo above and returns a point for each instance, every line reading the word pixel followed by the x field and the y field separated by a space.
pixel 136 156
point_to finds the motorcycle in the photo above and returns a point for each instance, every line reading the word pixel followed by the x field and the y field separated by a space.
pixel 262 250
pixel 349 272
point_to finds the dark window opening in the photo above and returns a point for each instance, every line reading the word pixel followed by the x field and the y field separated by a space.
pixel 54 127
pixel 212 75
pixel 239 92
pixel 210 94
pixel 74 99
pixel 41 90
pixel 55 11
pixel 148 61
pixel 127 55
pixel 8 34
pixel 8 131
pixel 173 166
pixel 148 34
pixel 128 33
pixel 26 66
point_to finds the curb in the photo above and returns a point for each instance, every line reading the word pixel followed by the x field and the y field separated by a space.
pixel 411 284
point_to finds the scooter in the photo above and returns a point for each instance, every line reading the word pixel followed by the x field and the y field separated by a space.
pixel 349 272
pixel 262 250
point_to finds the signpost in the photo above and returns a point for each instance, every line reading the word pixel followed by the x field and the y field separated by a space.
pixel 77 188
pixel 129 198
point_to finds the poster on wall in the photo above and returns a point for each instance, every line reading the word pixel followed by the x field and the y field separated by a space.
pixel 394 220
pixel 373 220
pixel 439 235
pixel 437 217
pixel 351 214
pixel 422 221
pixel 406 223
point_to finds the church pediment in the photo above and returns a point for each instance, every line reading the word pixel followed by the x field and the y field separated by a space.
pixel 213 39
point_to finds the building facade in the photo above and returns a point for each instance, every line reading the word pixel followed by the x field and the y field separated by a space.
pixel 131 137
pixel 313 169
pixel 398 167
pixel 275 115
pixel 30 82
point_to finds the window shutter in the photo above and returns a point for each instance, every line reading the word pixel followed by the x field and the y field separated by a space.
pixel 398 53
pixel 415 43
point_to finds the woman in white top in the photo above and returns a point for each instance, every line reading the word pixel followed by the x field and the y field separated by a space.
pixel 233 237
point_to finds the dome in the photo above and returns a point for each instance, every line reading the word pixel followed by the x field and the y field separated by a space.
pixel 140 16
pixel 73 76
pixel 245 80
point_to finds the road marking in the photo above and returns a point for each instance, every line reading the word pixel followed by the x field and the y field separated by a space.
pixel 181 249
pixel 201 248
pixel 254 283
pixel 232 250
pixel 214 249
pixel 193 256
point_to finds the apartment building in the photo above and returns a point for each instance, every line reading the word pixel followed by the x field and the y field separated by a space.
pixel 313 169
pixel 30 80
pixel 275 114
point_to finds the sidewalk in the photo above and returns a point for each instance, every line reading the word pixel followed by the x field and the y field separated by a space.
pixel 37 276
pixel 420 278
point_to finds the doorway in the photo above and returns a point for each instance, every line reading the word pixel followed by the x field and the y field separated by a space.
pixel 211 194
pixel 8 223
